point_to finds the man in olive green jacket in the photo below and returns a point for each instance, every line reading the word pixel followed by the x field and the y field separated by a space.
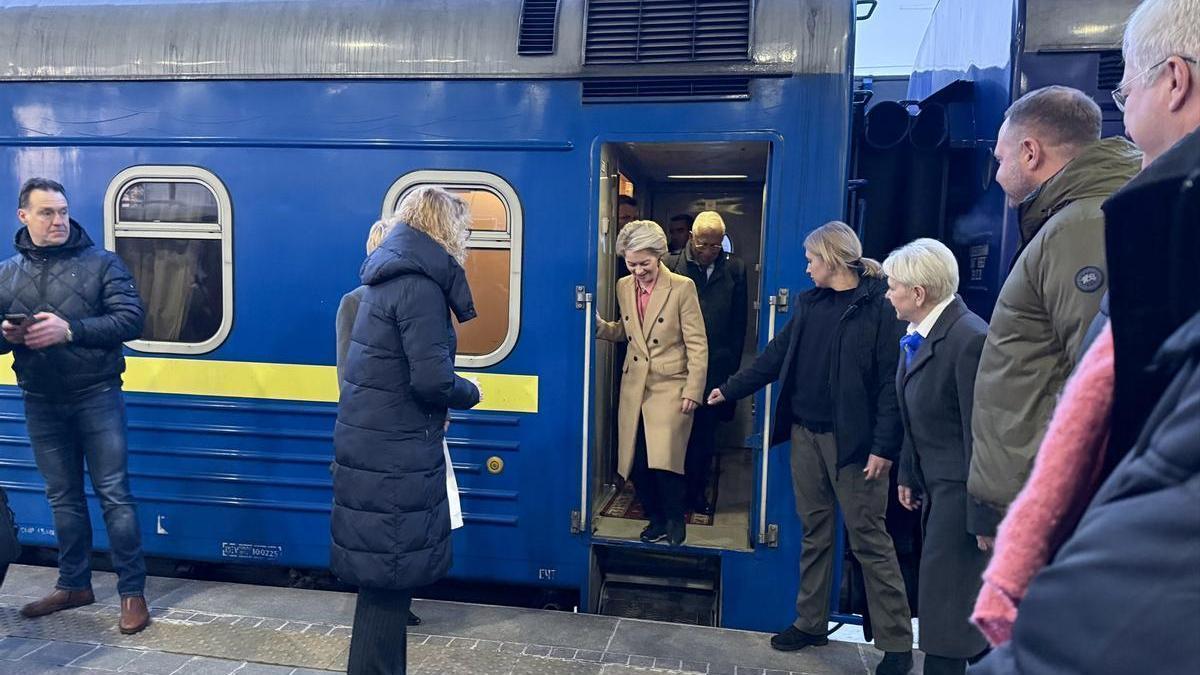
pixel 1057 172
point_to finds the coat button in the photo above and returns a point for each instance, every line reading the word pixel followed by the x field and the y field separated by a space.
pixel 660 319
pixel 635 358
pixel 655 340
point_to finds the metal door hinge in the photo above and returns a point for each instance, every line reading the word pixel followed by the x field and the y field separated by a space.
pixel 581 297
pixel 781 300
pixel 576 523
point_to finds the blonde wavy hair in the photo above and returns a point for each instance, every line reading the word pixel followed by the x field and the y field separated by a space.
pixel 442 215
pixel 379 232
pixel 838 245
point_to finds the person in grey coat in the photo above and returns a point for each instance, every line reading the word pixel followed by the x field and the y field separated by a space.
pixel 935 383
pixel 347 310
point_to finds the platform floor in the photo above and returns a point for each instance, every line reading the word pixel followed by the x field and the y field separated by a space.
pixel 208 628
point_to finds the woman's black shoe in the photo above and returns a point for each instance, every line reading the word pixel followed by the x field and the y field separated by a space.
pixel 413 619
pixel 794 639
pixel 654 532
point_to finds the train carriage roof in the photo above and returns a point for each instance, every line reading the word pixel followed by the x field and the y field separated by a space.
pixel 305 39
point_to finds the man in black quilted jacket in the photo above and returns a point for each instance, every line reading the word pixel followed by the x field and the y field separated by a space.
pixel 68 307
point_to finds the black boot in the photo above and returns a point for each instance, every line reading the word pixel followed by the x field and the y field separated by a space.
pixel 656 531
pixel 895 663
pixel 676 532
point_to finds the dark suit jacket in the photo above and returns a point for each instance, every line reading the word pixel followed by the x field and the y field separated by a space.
pixel 723 302
pixel 936 395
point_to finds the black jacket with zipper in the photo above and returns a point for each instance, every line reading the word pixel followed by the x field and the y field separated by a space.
pixel 866 350
pixel 92 290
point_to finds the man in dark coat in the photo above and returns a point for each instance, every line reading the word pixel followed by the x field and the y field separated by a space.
pixel 391 520
pixel 720 280
pixel 68 307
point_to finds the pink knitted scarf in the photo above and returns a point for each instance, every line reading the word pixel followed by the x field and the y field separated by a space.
pixel 1059 489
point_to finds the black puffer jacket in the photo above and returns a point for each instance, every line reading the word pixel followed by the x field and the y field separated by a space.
pixel 391 521
pixel 862 377
pixel 88 287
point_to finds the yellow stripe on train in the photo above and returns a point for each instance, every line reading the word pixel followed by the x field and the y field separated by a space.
pixel 284 381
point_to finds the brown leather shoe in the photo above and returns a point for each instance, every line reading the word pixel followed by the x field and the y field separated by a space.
pixel 134 615
pixel 57 601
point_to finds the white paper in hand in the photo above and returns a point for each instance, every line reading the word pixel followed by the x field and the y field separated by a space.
pixel 456 518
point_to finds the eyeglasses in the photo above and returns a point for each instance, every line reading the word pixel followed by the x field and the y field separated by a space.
pixel 1119 95
pixel 709 247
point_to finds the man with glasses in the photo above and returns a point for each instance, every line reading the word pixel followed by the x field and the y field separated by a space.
pixel 1056 171
pixel 721 283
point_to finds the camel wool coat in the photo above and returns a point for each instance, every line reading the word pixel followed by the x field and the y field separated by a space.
pixel 666 361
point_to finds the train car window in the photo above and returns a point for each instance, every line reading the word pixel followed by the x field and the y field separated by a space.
pixel 171 225
pixel 493 264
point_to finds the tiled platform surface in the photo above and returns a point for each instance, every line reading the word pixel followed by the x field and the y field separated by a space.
pixel 206 628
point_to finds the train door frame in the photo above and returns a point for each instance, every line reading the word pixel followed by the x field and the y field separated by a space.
pixel 769 261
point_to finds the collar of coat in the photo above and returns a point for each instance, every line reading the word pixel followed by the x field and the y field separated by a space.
pixel 410 251
pixel 1098 171
pixel 658 297
pixel 77 240
pixel 940 329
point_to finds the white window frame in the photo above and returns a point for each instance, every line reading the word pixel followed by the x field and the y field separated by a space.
pixel 222 230
pixel 510 240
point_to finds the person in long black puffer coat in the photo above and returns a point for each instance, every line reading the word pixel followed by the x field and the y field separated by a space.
pixel 391 520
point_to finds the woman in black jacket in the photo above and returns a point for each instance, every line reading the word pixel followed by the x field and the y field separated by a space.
pixel 391 521
pixel 837 405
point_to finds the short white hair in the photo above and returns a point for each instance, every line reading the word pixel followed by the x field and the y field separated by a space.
pixel 1158 29
pixel 709 221
pixel 927 263
pixel 642 235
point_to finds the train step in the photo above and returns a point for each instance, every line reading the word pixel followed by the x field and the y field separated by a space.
pixel 677 587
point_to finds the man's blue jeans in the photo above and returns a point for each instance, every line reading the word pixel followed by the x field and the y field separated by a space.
pixel 64 433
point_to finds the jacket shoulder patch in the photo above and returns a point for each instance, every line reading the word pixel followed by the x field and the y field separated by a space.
pixel 1089 279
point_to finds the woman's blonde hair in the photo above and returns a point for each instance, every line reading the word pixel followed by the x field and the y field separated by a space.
pixel 927 263
pixel 838 245
pixel 642 235
pixel 442 215
pixel 379 232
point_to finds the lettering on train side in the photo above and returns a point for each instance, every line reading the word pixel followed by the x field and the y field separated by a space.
pixel 250 551
pixel 547 575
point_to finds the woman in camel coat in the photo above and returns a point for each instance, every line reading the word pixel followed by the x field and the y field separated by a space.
pixel 663 376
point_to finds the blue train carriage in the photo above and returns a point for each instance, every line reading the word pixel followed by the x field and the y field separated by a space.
pixel 234 154
pixel 975 60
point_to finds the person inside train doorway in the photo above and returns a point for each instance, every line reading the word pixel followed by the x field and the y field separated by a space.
pixel 1056 171
pixel 720 280
pixel 627 210
pixel 837 360
pixel 663 381
pixel 69 306
pixel 398 386
pixel 346 313
pixel 679 233
pixel 935 385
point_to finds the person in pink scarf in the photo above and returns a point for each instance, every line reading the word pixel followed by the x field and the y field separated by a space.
pixel 1062 483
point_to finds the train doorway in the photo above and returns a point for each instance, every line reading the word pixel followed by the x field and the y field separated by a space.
pixel 672 183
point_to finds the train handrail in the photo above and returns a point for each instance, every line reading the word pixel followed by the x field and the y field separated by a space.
pixel 766 434
pixel 583 300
